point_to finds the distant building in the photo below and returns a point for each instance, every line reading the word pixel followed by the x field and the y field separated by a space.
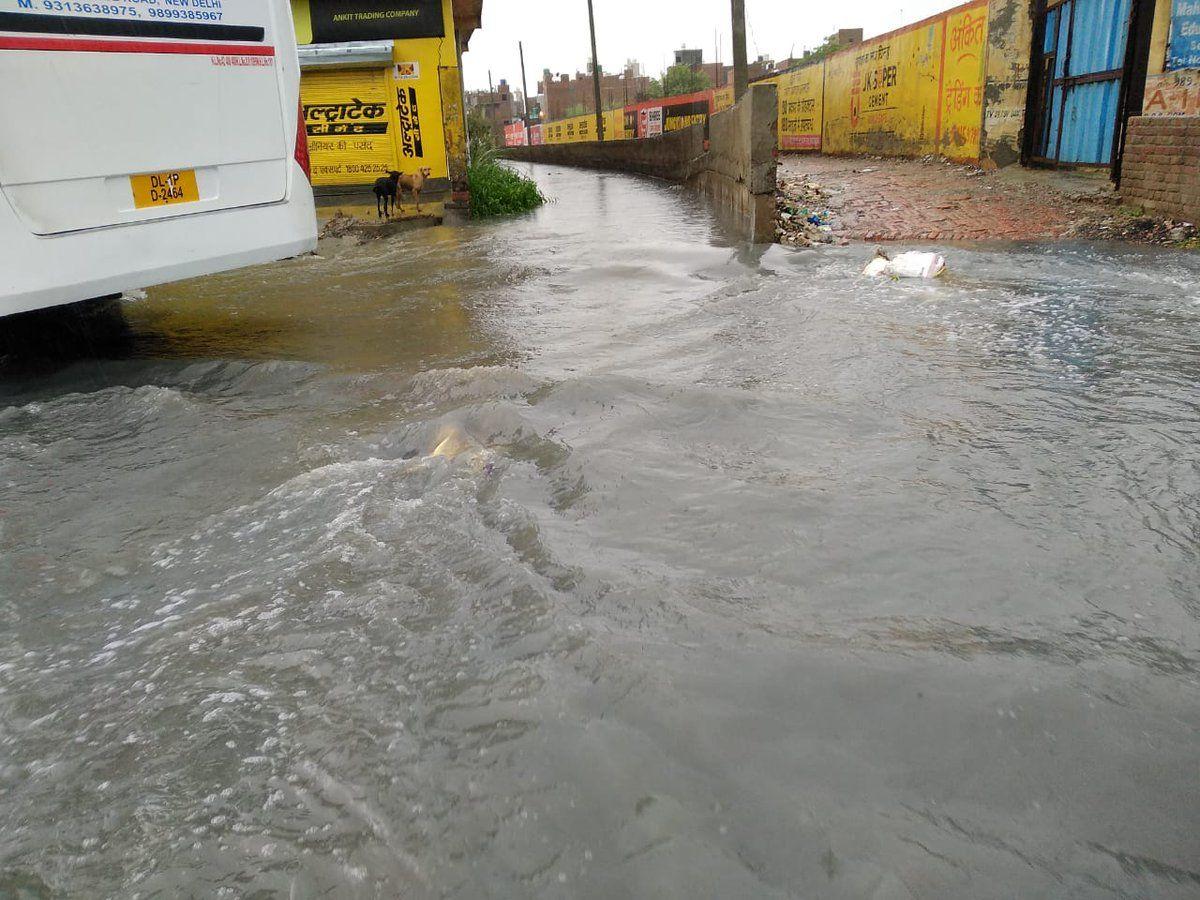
pixel 842 38
pixel 565 95
pixel 499 106
pixel 720 75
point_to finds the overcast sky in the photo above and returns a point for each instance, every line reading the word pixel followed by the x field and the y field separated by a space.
pixel 555 32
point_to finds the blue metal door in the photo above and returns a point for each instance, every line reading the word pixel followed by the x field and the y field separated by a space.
pixel 1083 62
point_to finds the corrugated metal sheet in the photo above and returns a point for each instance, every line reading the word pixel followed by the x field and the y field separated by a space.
pixel 1087 38
pixel 1089 122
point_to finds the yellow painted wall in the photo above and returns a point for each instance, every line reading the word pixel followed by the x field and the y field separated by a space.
pixel 801 107
pixel 964 55
pixel 423 98
pixel 882 96
pixel 303 20
pixel 913 92
pixel 1160 36
pixel 722 99
pixel 579 129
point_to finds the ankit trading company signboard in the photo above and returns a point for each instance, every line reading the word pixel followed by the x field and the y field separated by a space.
pixel 334 21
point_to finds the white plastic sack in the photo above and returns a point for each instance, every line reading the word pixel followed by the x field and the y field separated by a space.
pixel 907 265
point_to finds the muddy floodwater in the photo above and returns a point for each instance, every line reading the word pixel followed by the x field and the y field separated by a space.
pixel 594 554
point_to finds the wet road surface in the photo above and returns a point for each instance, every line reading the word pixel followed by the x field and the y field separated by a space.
pixel 594 555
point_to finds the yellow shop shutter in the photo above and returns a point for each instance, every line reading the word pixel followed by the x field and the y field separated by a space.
pixel 351 125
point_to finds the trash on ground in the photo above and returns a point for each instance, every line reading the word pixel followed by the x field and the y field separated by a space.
pixel 339 225
pixel 913 264
pixel 804 215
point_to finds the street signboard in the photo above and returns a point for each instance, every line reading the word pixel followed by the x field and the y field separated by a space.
pixel 1185 35
pixel 334 21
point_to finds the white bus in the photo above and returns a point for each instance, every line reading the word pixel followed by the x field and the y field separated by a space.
pixel 145 141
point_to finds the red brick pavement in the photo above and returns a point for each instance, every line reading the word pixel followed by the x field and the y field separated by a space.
pixel 915 200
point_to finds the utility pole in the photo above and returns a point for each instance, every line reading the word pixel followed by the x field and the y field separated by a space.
pixel 491 109
pixel 524 86
pixel 596 76
pixel 741 73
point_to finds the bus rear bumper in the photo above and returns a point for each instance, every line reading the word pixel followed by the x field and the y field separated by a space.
pixel 38 272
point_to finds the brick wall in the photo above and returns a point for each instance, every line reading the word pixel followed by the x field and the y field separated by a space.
pixel 1161 170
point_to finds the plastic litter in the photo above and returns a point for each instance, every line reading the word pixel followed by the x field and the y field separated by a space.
pixel 913 264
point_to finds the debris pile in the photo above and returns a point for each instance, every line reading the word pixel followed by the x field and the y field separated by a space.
pixel 802 216
pixel 1139 229
pixel 341 225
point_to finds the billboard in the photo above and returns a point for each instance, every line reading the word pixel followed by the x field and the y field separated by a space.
pixel 368 20
pixel 1184 52
pixel 515 135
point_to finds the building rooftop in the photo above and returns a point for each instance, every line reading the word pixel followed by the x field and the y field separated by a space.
pixel 468 16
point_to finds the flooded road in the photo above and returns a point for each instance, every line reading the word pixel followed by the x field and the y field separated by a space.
pixel 594 555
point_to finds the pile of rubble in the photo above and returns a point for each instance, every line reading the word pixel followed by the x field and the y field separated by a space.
pixel 802 216
pixel 341 225
pixel 1139 229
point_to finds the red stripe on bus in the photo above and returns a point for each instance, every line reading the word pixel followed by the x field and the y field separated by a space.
pixel 80 45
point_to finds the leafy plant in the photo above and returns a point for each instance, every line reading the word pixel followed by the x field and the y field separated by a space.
pixel 828 48
pixel 480 137
pixel 497 190
pixel 679 80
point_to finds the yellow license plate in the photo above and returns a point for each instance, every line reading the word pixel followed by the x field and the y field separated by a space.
pixel 164 188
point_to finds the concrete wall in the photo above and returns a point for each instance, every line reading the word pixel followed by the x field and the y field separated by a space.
pixel 953 85
pixel 1006 80
pixel 675 157
pixel 737 168
pixel 1162 165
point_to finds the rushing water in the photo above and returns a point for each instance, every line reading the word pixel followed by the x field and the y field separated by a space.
pixel 594 555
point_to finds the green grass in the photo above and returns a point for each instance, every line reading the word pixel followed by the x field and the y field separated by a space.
pixel 497 190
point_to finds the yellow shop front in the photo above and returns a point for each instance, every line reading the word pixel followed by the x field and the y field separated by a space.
pixel 381 90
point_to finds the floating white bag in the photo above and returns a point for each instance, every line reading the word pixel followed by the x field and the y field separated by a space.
pixel 907 265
